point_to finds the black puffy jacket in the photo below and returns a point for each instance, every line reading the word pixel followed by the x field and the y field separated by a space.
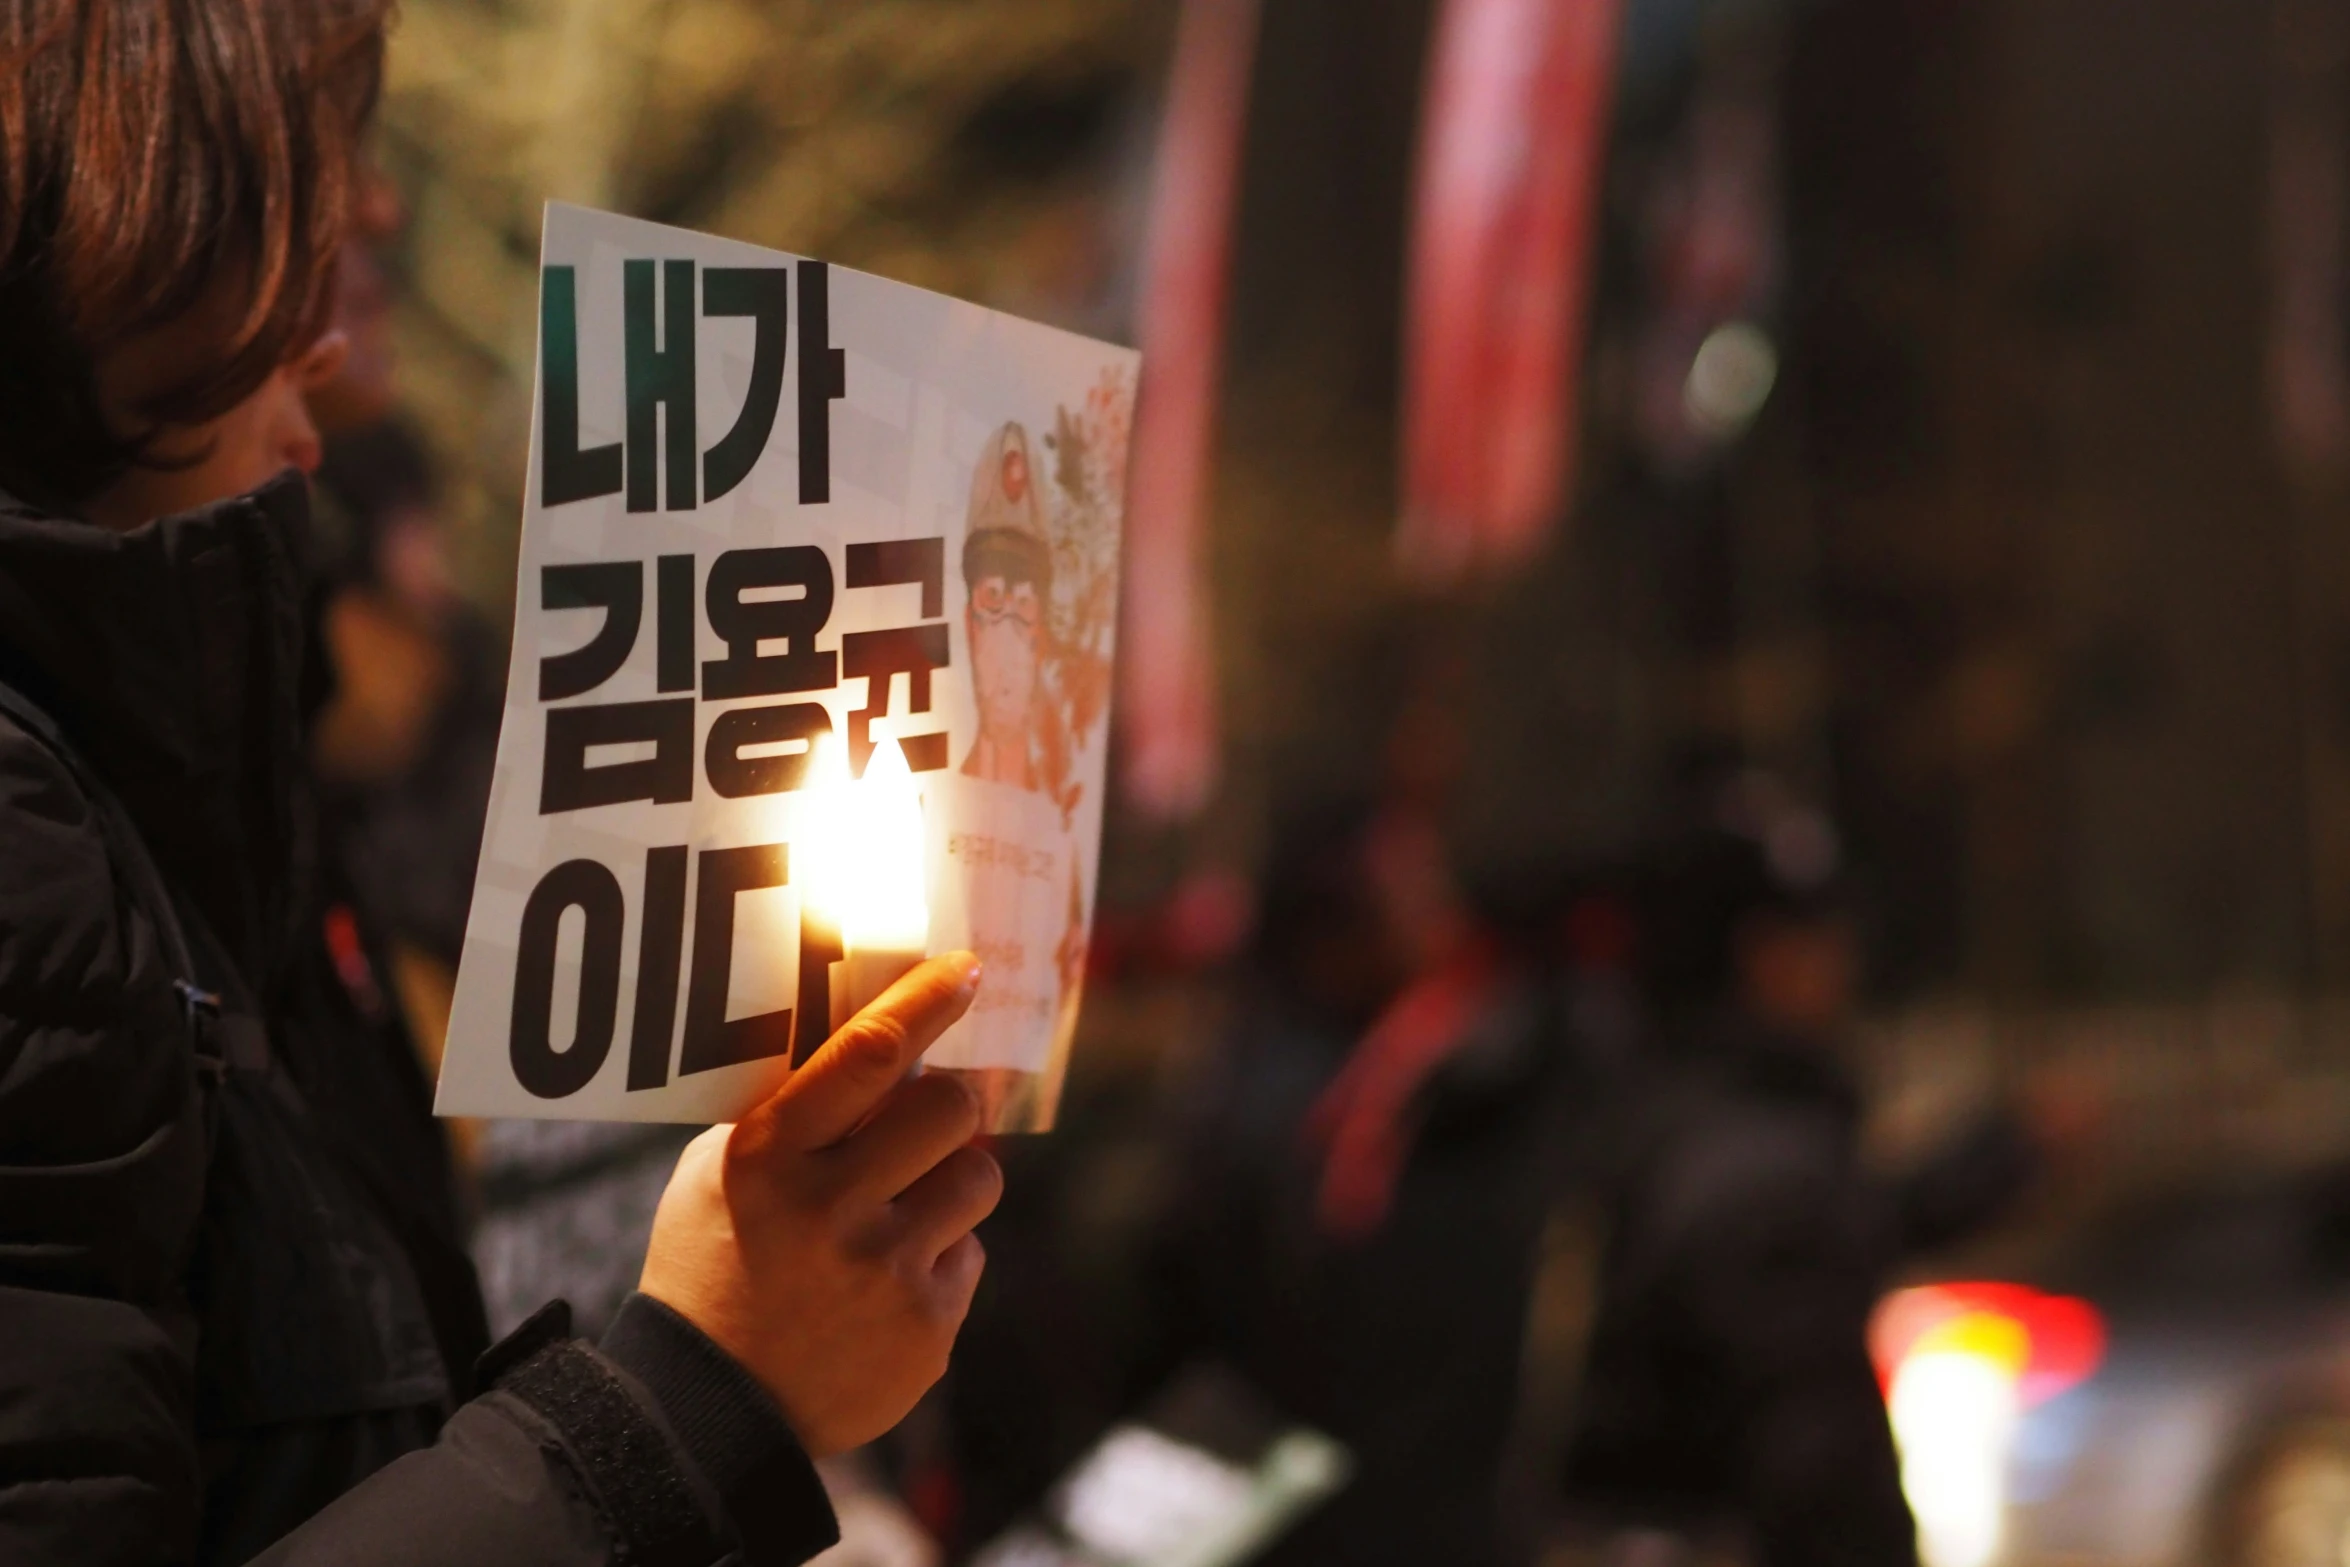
pixel 1728 1381
pixel 236 1319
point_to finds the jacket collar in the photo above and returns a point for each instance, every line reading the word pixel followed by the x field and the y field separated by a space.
pixel 171 656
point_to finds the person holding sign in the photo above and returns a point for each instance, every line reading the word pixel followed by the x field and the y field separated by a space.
pixel 236 1320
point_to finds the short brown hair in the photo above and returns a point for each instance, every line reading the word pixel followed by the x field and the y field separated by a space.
pixel 150 150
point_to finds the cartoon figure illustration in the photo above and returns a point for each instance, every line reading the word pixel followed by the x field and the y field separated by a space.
pixel 1039 559
pixel 1008 578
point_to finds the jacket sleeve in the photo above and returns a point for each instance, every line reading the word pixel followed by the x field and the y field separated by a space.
pixel 653 1447
pixel 1776 1272
pixel 101 1177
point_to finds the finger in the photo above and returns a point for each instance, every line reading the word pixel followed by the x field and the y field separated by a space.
pixel 945 1205
pixel 854 1070
pixel 923 1120
pixel 955 1277
pixel 708 1145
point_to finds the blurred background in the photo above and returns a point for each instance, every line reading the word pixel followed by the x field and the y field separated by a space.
pixel 1735 799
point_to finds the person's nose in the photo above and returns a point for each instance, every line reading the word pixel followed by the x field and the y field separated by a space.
pixel 302 446
pixel 295 433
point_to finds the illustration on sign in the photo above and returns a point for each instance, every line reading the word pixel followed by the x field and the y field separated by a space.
pixel 919 553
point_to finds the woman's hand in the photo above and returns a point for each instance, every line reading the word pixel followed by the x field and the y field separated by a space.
pixel 825 1240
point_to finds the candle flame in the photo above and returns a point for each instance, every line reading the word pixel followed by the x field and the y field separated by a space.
pixel 862 849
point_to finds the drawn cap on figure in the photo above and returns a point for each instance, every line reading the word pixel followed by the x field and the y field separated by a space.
pixel 1004 530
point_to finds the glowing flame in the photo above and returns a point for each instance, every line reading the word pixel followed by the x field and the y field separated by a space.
pixel 860 853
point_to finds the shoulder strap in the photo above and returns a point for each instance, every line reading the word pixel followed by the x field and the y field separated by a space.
pixel 222 1042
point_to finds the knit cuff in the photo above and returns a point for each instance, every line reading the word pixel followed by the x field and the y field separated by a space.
pixel 731 1429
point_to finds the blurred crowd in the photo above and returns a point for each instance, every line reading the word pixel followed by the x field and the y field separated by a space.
pixel 1534 1185
pixel 1537 1187
pixel 1539 1191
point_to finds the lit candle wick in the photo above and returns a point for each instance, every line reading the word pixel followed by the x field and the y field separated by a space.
pixel 865 873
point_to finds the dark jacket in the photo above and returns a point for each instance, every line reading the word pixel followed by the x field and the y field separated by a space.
pixel 1403 1344
pixel 236 1318
pixel 1728 1383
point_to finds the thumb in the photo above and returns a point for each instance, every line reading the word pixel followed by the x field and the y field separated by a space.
pixel 854 1070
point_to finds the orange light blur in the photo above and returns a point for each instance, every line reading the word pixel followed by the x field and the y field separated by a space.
pixel 2048 1343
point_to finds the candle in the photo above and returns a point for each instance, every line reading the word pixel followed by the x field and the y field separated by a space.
pixel 865 871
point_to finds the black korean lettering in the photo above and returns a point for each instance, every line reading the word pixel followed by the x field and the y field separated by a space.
pixel 892 561
pixel 566 473
pixel 824 375
pixel 924 753
pixel 617 587
pixel 880 657
pixel 673 623
pixel 742 626
pixel 665 778
pixel 763 294
pixel 660 944
pixel 659 376
pixel 735 776
pixel 820 949
pixel 711 1038
pixel 538 1066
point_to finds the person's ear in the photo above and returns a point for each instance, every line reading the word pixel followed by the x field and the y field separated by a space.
pixel 322 361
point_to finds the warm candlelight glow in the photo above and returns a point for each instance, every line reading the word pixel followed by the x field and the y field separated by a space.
pixel 862 851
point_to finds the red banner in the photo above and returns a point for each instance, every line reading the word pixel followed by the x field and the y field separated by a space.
pixel 1512 155
pixel 1166 663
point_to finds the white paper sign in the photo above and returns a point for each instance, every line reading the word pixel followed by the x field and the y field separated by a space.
pixel 770 499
